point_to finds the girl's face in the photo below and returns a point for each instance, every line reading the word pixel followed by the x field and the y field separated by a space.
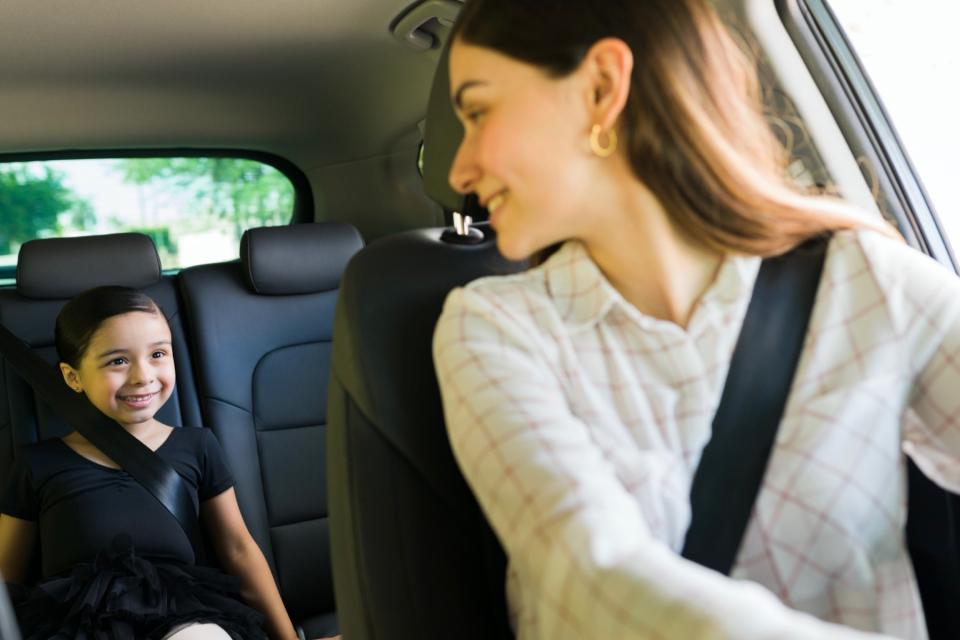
pixel 127 370
pixel 525 150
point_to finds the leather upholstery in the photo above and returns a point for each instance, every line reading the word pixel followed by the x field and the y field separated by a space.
pixel 263 363
pixel 60 268
pixel 413 556
pixel 303 258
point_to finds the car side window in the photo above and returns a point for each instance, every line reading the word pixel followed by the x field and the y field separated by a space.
pixel 194 208
pixel 911 53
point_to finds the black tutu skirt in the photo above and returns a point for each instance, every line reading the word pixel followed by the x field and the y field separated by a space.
pixel 120 596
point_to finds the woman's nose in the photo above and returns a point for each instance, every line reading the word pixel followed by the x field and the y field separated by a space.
pixel 463 171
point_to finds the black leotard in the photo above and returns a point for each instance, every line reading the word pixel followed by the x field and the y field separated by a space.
pixel 81 506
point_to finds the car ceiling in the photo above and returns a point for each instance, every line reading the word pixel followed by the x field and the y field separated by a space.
pixel 320 82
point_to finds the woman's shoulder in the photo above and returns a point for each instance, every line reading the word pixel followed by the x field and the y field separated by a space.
pixel 489 308
pixel 533 311
pixel 537 295
pixel 888 259
pixel 864 264
pixel 506 288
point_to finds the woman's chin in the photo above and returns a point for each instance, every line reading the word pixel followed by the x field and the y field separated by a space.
pixel 511 250
pixel 518 249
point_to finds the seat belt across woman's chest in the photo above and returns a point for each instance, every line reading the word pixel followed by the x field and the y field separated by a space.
pixel 731 469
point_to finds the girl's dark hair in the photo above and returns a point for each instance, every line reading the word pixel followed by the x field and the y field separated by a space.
pixel 694 128
pixel 84 314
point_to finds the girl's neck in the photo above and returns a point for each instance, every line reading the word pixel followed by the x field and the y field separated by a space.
pixel 146 431
pixel 655 267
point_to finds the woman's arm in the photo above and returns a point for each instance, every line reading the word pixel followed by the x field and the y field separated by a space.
pixel 923 300
pixel 17 540
pixel 576 539
pixel 240 555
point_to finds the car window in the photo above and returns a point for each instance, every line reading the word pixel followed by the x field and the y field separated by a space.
pixel 194 208
pixel 910 51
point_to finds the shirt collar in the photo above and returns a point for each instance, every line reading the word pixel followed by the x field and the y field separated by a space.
pixel 583 296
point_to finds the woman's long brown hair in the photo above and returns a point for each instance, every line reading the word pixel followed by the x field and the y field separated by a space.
pixel 694 126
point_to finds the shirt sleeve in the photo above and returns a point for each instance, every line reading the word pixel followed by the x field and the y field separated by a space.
pixel 217 477
pixel 19 497
pixel 578 545
pixel 923 299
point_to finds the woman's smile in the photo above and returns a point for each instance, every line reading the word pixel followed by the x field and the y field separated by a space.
pixel 495 204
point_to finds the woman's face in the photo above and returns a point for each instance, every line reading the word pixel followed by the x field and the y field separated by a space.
pixel 525 150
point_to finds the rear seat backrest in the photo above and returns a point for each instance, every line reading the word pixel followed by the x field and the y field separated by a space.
pixel 261 331
pixel 50 272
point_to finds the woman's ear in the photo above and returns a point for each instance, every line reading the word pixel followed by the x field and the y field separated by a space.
pixel 607 66
pixel 71 376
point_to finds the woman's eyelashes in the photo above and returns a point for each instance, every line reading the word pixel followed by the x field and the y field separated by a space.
pixel 471 113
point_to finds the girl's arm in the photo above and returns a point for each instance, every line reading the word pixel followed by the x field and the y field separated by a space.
pixel 241 556
pixel 17 539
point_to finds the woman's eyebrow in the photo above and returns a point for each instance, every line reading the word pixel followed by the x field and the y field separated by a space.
pixel 458 96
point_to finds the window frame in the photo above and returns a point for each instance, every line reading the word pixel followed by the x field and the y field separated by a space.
pixel 859 112
pixel 303 200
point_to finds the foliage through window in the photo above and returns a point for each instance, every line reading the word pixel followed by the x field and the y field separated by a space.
pixel 195 209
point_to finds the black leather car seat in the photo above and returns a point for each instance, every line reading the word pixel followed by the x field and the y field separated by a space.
pixel 261 329
pixel 413 556
pixel 50 272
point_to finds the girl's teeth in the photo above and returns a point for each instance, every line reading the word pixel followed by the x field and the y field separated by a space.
pixel 495 202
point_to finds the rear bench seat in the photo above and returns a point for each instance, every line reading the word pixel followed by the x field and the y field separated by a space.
pixel 261 333
pixel 50 272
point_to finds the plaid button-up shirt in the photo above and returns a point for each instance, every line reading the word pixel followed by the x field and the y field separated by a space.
pixel 579 422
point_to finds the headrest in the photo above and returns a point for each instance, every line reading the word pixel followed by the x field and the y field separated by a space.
pixel 299 258
pixel 441 137
pixel 60 268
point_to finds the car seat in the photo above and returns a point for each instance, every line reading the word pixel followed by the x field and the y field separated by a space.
pixel 261 330
pixel 413 556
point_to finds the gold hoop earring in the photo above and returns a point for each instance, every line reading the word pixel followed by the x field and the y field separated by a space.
pixel 595 146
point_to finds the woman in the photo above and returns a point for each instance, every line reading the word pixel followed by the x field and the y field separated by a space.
pixel 579 394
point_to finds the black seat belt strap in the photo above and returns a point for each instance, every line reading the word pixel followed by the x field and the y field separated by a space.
pixel 155 474
pixel 731 469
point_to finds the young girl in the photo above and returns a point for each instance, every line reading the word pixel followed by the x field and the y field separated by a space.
pixel 115 562
pixel 579 395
